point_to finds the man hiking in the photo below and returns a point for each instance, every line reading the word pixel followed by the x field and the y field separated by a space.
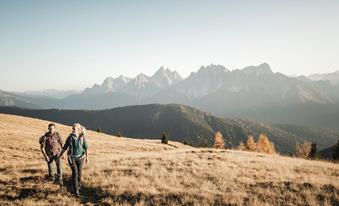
pixel 77 147
pixel 51 145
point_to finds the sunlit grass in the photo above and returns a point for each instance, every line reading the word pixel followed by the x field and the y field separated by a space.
pixel 126 171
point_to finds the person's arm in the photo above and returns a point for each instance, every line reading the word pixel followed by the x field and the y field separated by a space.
pixel 60 140
pixel 64 148
pixel 86 156
pixel 61 143
pixel 86 151
pixel 42 147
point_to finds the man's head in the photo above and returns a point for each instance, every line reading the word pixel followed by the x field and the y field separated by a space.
pixel 76 129
pixel 51 128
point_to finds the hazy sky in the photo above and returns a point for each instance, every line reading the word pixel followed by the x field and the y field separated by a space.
pixel 74 44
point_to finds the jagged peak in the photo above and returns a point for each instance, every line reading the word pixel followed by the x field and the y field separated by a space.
pixel 212 68
pixel 263 68
pixel 164 72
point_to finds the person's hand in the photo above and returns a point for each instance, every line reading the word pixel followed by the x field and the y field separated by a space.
pixel 86 160
pixel 47 158
pixel 63 156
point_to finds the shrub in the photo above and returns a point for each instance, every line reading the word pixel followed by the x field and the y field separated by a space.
pixel 99 130
pixel 218 141
pixel 313 151
pixel 241 146
pixel 335 154
pixel 119 134
pixel 164 139
pixel 250 144
pixel 303 150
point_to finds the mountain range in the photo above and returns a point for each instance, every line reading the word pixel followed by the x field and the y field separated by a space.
pixel 252 92
pixel 181 123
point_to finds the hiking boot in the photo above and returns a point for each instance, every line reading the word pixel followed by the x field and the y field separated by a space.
pixel 61 183
pixel 77 194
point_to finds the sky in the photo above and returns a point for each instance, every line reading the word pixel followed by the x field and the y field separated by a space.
pixel 68 44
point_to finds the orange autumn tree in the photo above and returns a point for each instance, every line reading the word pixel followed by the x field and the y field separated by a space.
pixel 250 144
pixel 263 145
pixel 218 141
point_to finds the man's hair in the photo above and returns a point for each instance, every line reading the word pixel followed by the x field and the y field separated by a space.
pixel 78 125
pixel 51 125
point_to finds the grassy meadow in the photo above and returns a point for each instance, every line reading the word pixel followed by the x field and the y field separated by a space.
pixel 125 171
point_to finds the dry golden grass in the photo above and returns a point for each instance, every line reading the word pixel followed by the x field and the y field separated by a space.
pixel 126 171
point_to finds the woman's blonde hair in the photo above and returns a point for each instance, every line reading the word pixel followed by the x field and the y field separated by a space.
pixel 83 131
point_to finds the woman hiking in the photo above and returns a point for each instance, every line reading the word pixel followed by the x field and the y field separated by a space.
pixel 77 147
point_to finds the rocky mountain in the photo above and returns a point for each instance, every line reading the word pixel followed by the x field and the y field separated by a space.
pixel 181 123
pixel 10 99
pixel 165 78
pixel 122 91
pixel 259 86
pixel 110 84
pixel 201 83
pixel 252 92
pixel 52 93
pixel 144 87
pixel 333 78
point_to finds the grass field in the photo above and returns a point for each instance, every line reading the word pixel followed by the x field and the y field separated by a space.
pixel 125 171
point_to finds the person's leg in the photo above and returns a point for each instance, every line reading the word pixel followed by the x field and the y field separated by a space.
pixel 73 165
pixel 50 169
pixel 79 166
pixel 59 169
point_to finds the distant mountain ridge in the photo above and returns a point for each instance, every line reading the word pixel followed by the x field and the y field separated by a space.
pixel 140 86
pixel 181 123
pixel 249 92
pixel 52 93
pixel 10 99
pixel 211 86
pixel 333 77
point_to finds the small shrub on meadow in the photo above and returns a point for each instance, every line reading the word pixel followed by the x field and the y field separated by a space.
pixel 335 154
pixel 241 146
pixel 164 139
pixel 313 151
pixel 303 150
pixel 250 144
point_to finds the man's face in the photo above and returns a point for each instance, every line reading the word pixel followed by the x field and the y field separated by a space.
pixel 51 129
pixel 75 130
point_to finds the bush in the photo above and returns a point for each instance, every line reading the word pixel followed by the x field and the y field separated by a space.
pixel 218 141
pixel 313 151
pixel 303 150
pixel 99 130
pixel 335 154
pixel 250 144
pixel 164 139
pixel 241 146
